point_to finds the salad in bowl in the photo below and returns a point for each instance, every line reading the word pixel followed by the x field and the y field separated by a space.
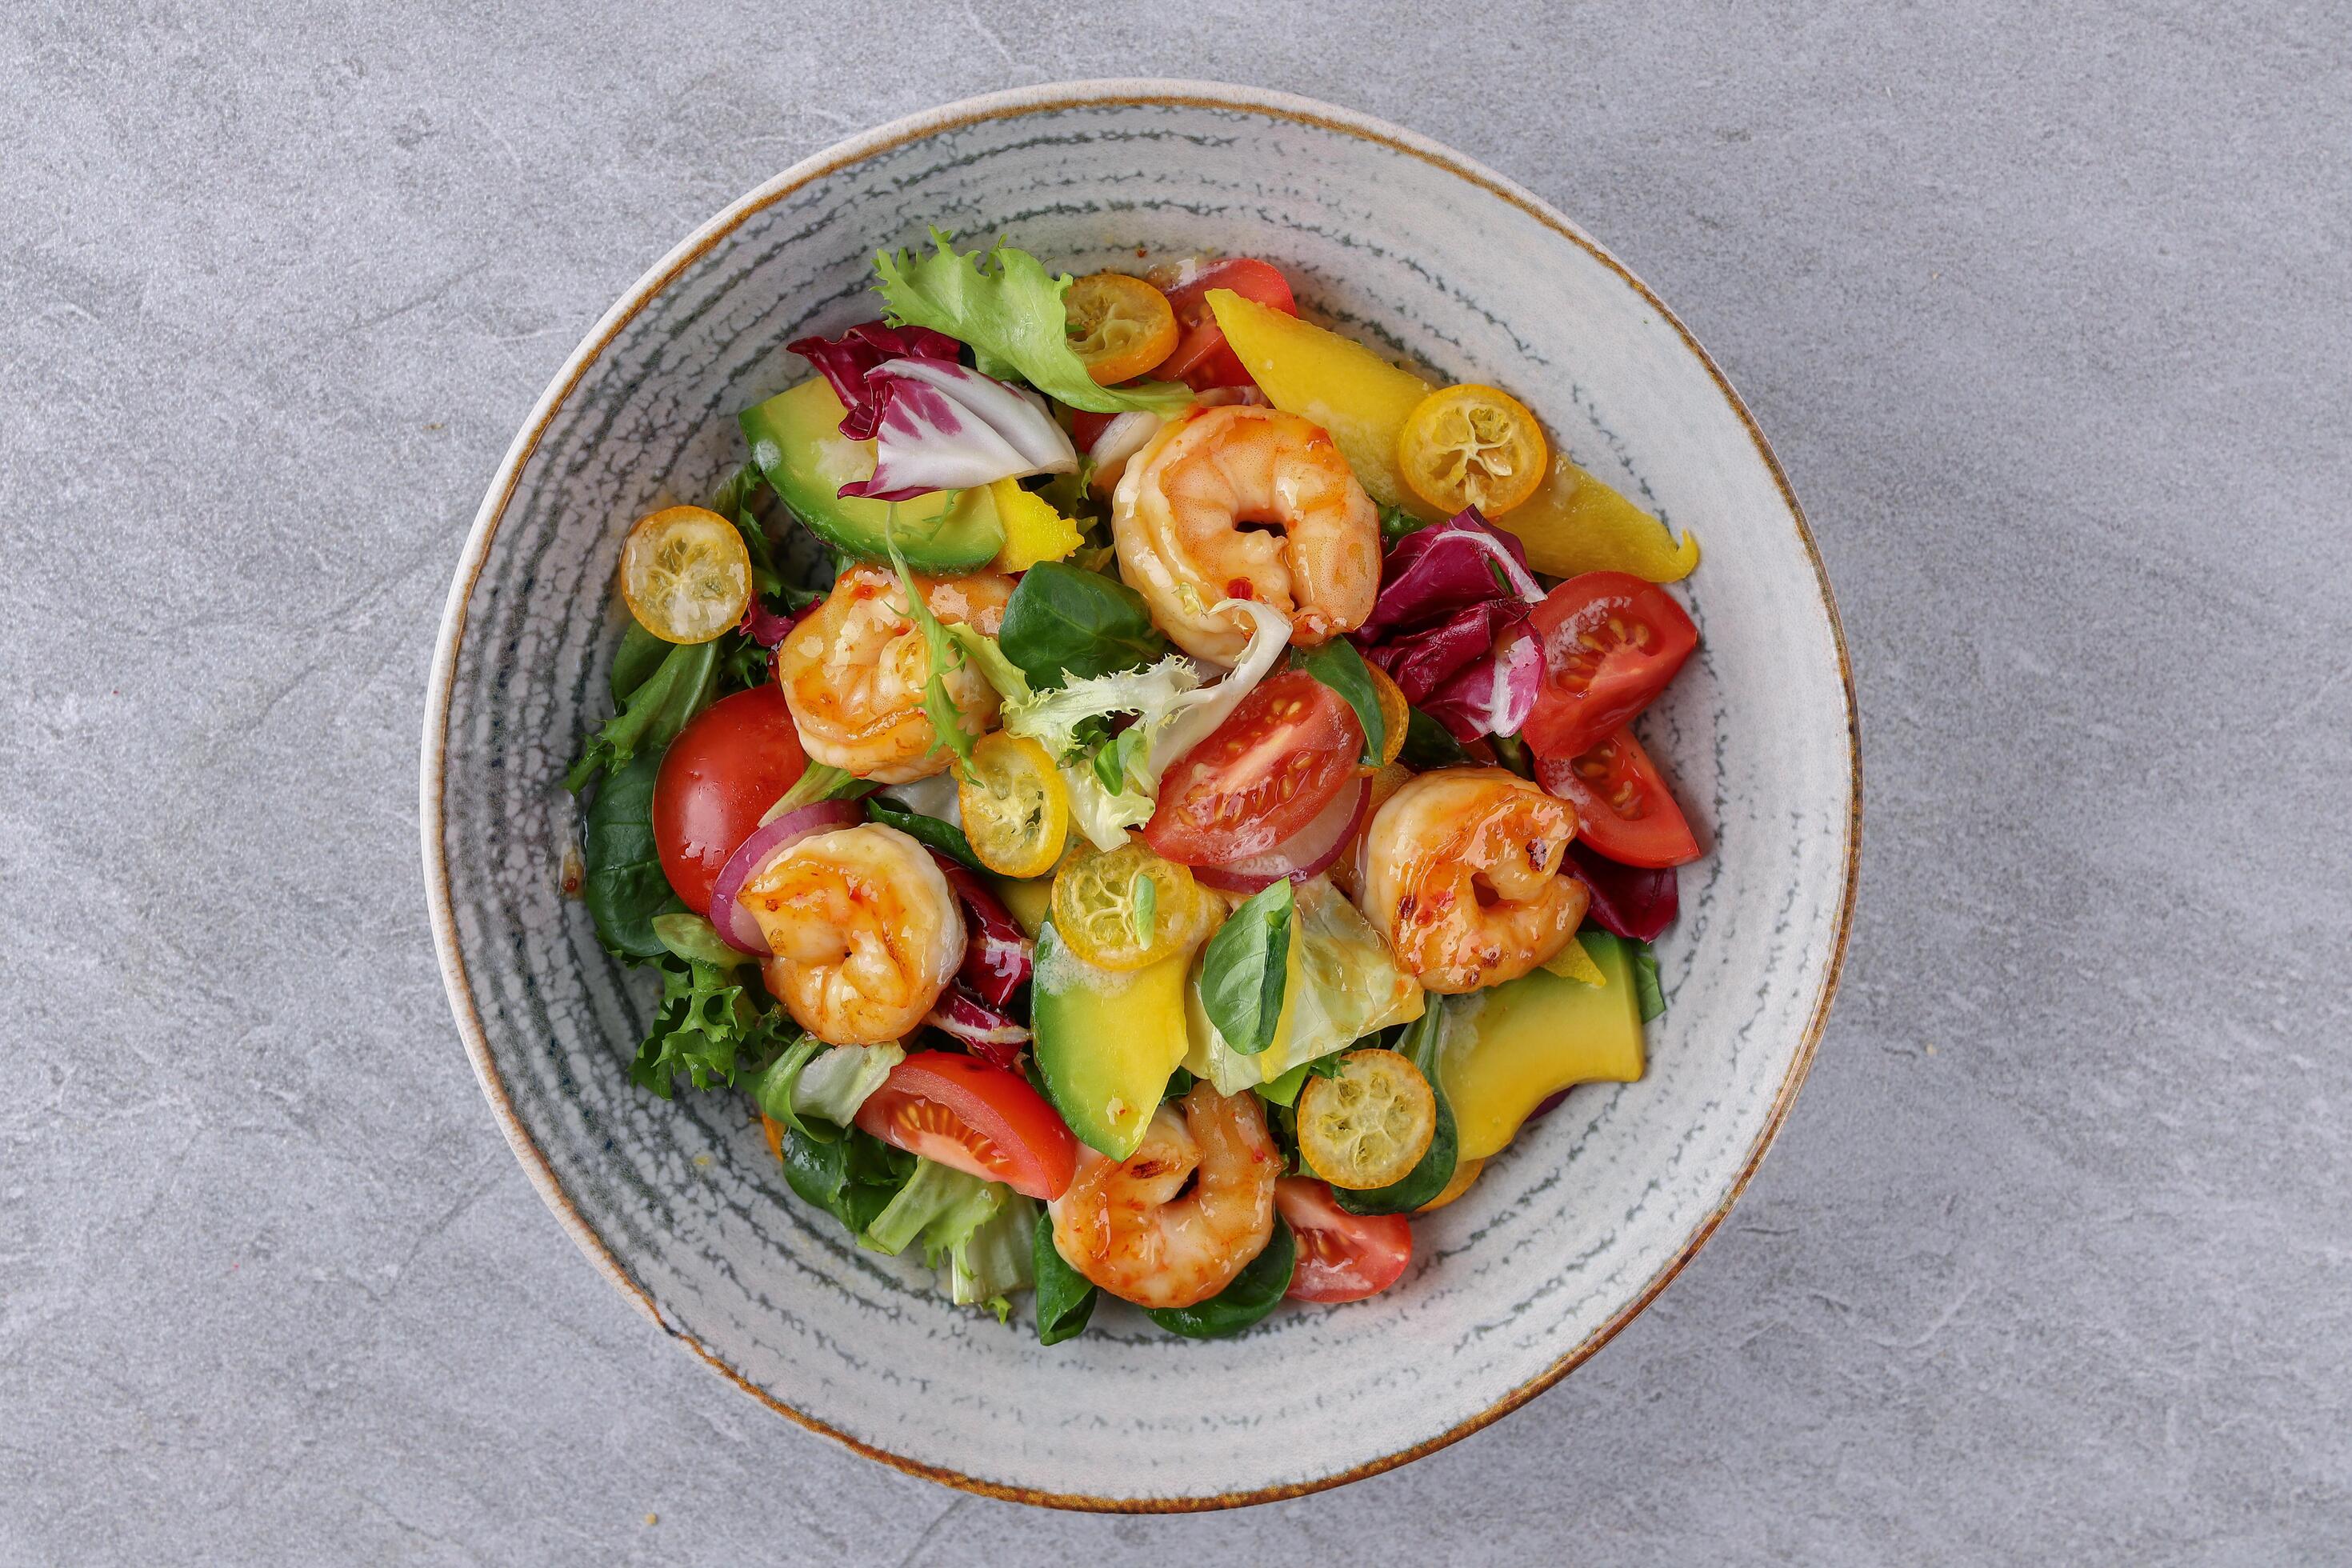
pixel 1191 822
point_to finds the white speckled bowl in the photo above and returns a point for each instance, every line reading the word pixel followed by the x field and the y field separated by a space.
pixel 1441 262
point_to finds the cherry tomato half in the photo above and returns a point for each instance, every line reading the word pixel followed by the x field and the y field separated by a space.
pixel 726 768
pixel 1342 1256
pixel 1200 359
pixel 1624 808
pixel 1611 642
pixel 1262 775
pixel 961 1112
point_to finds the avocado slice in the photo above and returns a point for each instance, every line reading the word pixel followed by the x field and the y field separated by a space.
pixel 1106 1044
pixel 1507 1051
pixel 796 439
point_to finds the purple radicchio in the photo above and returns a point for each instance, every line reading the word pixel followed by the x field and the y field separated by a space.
pixel 945 428
pixel 844 362
pixel 1451 627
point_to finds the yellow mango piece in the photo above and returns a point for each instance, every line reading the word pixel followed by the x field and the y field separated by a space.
pixel 1575 523
pixel 1337 383
pixel 1034 531
pixel 1572 962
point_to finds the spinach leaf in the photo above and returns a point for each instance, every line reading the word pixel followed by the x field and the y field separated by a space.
pixel 1338 666
pixel 706 1023
pixel 1063 621
pixel 1645 980
pixel 1428 744
pixel 929 831
pixel 1428 1178
pixel 640 653
pixel 853 1179
pixel 1246 967
pixel 656 710
pixel 623 884
pixel 1254 1292
pixel 1064 1298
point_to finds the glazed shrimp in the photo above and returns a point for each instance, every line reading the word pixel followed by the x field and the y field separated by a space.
pixel 1124 1228
pixel 865 932
pixel 853 673
pixel 1178 518
pixel 1463 875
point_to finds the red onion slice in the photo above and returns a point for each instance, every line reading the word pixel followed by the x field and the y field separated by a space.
pixel 993 1037
pixel 1310 850
pixel 734 922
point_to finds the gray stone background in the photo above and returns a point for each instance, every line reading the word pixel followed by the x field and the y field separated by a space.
pixel 2047 309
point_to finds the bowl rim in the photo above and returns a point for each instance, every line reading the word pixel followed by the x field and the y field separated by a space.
pixel 1048 97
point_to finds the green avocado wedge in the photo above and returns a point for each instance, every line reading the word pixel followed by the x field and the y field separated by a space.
pixel 797 442
pixel 1107 1044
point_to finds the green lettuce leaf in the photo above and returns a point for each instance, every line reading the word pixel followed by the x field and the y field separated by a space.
pixel 706 1025
pixel 1005 304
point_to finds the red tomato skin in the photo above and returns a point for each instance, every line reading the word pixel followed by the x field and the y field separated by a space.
pixel 726 768
pixel 1586 693
pixel 1628 815
pixel 1037 1156
pixel 1342 1256
pixel 1320 740
pixel 1200 359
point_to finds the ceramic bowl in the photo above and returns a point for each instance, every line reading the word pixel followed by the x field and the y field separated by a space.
pixel 1442 264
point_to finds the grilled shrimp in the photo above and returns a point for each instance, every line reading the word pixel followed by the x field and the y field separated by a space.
pixel 865 932
pixel 1124 1226
pixel 1179 518
pixel 853 673
pixel 1463 874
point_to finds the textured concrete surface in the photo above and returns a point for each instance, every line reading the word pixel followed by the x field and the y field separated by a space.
pixel 2046 310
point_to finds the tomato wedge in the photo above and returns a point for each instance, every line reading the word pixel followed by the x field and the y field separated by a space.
pixel 963 1113
pixel 1200 359
pixel 1624 808
pixel 1262 775
pixel 1611 642
pixel 1342 1256
pixel 727 767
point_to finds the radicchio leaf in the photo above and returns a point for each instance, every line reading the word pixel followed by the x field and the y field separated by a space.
pixel 1633 901
pixel 988 1033
pixel 996 956
pixel 844 362
pixel 1434 571
pixel 1493 695
pixel 945 428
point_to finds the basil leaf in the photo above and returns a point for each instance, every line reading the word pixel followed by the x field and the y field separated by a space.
pixel 1512 752
pixel 1645 980
pixel 1428 744
pixel 931 832
pixel 623 883
pixel 1064 1298
pixel 1338 666
pixel 1246 967
pixel 1063 621
pixel 1428 1178
pixel 1256 1291
pixel 656 710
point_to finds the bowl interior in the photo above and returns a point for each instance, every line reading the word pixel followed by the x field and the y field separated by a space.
pixel 1441 266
